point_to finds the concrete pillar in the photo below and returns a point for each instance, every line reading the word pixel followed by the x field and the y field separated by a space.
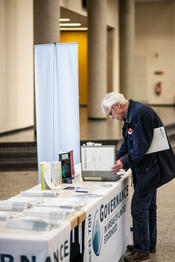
pixel 127 46
pixel 97 57
pixel 46 26
pixel 46 21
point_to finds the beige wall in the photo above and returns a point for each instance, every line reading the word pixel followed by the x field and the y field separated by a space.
pixel 74 5
pixel 16 64
pixel 2 64
pixel 155 48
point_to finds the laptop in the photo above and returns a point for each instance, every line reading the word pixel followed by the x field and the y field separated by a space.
pixel 97 162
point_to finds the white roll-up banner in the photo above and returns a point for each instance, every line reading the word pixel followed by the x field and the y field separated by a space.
pixel 57 100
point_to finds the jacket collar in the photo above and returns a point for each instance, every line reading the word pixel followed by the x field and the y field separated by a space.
pixel 129 111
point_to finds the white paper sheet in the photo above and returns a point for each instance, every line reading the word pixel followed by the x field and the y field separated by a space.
pixel 159 142
pixel 97 158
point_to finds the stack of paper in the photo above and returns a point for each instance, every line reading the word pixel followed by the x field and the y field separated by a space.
pixel 40 193
pixel 65 203
pixel 5 215
pixel 51 214
pixel 28 223
pixel 14 205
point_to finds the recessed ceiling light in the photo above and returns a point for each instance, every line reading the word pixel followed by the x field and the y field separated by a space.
pixel 70 24
pixel 73 29
pixel 64 19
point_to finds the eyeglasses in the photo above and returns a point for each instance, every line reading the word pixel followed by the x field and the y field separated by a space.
pixel 110 113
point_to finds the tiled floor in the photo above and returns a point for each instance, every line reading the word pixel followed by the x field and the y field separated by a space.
pixel 166 224
pixel 11 183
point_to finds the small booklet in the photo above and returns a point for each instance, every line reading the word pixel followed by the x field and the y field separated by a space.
pixel 66 170
pixel 50 174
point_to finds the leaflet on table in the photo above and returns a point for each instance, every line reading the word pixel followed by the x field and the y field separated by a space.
pixel 16 205
pixel 50 174
pixel 40 193
pixel 77 168
pixel 31 200
pixel 91 186
pixel 64 203
pixel 86 196
pixel 52 214
pixel 4 215
pixel 56 173
pixel 29 223
pixel 102 185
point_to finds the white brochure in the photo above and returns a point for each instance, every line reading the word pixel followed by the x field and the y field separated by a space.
pixel 159 142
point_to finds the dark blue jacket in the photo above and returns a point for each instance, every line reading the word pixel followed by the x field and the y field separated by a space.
pixel 149 170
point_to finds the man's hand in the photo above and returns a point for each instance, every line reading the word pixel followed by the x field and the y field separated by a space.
pixel 118 165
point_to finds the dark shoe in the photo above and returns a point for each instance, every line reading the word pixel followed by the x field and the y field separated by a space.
pixel 136 256
pixel 131 229
pixel 131 249
pixel 152 250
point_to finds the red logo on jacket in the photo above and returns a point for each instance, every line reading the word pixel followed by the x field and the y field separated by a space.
pixel 130 131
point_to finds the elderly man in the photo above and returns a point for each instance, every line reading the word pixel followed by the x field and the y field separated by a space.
pixel 149 170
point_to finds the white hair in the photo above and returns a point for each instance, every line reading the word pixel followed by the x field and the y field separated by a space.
pixel 111 99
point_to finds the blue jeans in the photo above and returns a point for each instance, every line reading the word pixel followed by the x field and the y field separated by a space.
pixel 144 215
